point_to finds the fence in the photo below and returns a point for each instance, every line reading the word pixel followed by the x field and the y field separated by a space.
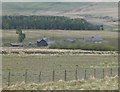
pixel 55 75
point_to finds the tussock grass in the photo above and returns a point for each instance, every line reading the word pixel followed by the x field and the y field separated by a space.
pixel 108 83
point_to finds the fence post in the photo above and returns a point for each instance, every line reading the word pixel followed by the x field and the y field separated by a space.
pixel 53 75
pixel 25 76
pixel 9 78
pixel 76 74
pixel 40 77
pixel 94 73
pixel 103 73
pixel 85 74
pixel 65 75
pixel 111 72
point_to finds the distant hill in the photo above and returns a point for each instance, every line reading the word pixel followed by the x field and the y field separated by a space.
pixel 37 8
pixel 101 13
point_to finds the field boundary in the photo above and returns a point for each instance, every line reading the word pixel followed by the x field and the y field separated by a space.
pixel 20 50
pixel 64 75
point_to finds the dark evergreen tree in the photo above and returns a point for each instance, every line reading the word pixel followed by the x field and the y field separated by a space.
pixel 101 27
pixel 47 22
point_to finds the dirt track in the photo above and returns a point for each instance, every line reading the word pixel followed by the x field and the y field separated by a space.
pixel 20 50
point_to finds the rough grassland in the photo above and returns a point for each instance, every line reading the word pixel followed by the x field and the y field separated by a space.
pixel 18 63
pixel 108 83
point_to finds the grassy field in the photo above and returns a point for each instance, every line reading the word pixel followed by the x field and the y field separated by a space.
pixel 33 35
pixel 108 83
pixel 18 64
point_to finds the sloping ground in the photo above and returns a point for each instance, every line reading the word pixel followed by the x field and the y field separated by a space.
pixel 101 13
pixel 108 83
pixel 62 8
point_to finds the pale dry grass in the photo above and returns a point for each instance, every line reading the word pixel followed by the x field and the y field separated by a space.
pixel 22 50
pixel 108 83
pixel 61 33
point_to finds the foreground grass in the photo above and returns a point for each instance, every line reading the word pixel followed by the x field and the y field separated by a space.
pixel 46 63
pixel 108 83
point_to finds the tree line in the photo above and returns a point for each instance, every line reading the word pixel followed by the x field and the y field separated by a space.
pixel 47 22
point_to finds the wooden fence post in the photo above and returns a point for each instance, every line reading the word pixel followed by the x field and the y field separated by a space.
pixel 53 75
pixel 111 72
pixel 85 74
pixel 103 73
pixel 76 75
pixel 94 73
pixel 65 75
pixel 25 76
pixel 9 78
pixel 40 77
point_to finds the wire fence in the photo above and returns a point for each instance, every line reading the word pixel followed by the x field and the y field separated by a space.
pixel 28 76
